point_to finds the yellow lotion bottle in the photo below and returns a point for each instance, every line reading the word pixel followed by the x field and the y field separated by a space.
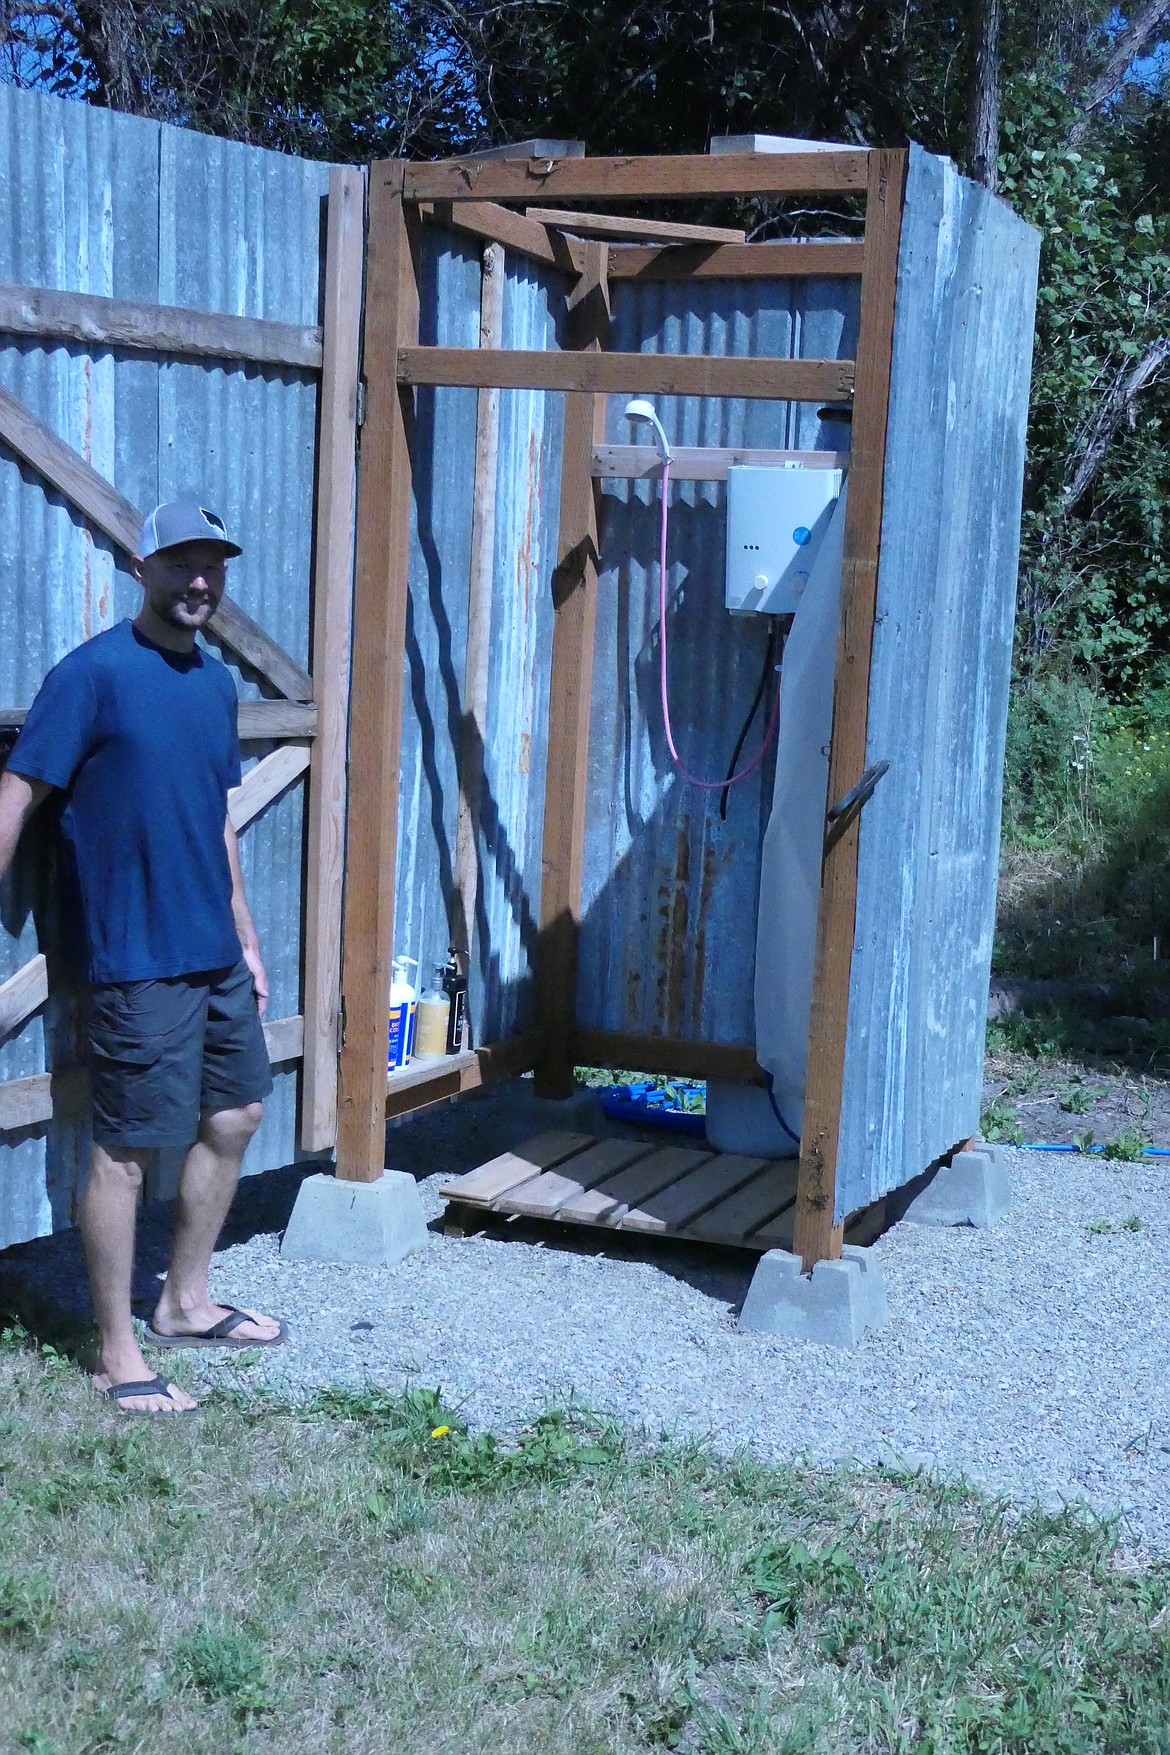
pixel 430 1035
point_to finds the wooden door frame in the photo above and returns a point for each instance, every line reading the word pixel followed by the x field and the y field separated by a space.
pixel 481 198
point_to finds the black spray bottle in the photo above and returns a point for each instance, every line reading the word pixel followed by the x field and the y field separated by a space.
pixel 455 987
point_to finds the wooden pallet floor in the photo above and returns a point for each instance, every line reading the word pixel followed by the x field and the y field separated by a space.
pixel 631 1185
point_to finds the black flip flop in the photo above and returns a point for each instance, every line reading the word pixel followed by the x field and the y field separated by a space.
pixel 218 1335
pixel 119 1392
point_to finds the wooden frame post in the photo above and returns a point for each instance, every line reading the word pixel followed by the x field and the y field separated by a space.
pixel 380 596
pixel 570 685
pixel 336 481
pixel 479 614
pixel 816 1236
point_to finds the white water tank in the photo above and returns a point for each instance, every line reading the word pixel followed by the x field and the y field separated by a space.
pixel 776 522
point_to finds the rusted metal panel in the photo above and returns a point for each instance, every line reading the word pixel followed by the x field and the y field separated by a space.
pixel 512 806
pixel 671 890
pixel 96 202
pixel 941 668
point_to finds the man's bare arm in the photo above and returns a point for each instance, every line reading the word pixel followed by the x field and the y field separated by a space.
pixel 18 800
pixel 242 916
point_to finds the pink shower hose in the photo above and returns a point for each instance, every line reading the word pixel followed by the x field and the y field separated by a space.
pixel 770 729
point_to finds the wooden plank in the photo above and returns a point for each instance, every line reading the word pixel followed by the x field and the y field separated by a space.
pixel 608 1201
pixel 570 685
pixel 732 1219
pixel 681 1202
pixel 487 1182
pixel 619 374
pixel 438 1080
pixel 499 225
pixel 332 594
pixel 285 1039
pixel 778 1232
pixel 104 507
pixel 701 462
pixel 259 721
pixel 738 261
pixel 22 994
pixel 686 177
pixel 29 1102
pixel 266 781
pixel 817 1237
pixel 249 642
pixel 667 1054
pixel 379 657
pixel 543 1197
pixel 169 329
pixel 616 227
pixel 473 731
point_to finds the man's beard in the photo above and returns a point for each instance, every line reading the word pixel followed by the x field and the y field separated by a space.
pixel 187 616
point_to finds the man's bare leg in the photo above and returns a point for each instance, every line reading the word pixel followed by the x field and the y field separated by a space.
pixel 206 1186
pixel 109 1210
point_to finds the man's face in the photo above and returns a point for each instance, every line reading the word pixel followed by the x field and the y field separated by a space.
pixel 184 584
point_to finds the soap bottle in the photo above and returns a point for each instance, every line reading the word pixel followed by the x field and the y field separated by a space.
pixel 434 1006
pixel 403 1006
pixel 455 987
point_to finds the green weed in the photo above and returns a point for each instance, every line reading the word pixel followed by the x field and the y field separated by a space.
pixel 27 1604
pixel 225 1666
pixel 999 1121
pixel 1126 1146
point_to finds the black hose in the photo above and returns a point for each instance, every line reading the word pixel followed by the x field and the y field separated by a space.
pixel 769 666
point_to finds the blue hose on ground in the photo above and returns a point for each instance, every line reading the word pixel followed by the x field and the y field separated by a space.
pixel 1041 1146
pixel 794 1137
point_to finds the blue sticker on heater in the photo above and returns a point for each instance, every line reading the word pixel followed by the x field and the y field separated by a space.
pixel 801 535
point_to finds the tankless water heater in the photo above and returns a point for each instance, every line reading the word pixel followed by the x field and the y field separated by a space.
pixel 776 521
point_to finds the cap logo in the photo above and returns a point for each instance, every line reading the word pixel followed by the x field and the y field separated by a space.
pixel 215 522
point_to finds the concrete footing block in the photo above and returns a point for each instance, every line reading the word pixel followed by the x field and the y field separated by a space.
pixel 834 1305
pixel 368 1224
pixel 973 1189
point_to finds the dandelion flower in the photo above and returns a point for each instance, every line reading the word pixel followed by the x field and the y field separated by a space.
pixel 440 1431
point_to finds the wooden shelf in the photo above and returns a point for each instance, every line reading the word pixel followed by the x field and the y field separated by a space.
pixel 430 1081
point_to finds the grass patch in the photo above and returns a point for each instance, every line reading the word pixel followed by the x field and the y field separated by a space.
pixel 363 1574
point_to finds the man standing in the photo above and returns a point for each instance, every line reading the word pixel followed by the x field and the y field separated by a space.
pixel 136 731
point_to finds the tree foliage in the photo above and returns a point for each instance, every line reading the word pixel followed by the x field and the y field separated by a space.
pixel 1084 155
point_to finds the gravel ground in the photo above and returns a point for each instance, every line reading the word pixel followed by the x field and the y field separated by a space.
pixel 1031 1358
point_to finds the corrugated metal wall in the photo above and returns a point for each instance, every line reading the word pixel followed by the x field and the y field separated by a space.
pixel 91 201
pixel 526 517
pixel 939 682
pixel 671 891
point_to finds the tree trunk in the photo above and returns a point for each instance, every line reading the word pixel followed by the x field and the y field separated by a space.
pixel 983 92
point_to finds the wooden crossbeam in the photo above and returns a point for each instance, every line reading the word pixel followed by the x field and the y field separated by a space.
pixel 616 227
pixel 104 507
pixel 701 462
pixel 30 1102
pixel 685 177
pixel 22 994
pixel 667 1054
pixel 169 329
pixel 655 374
pixel 259 721
pixel 499 225
pixel 738 261
pixel 266 781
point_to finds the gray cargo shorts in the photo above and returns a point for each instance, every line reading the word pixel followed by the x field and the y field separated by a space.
pixel 160 1051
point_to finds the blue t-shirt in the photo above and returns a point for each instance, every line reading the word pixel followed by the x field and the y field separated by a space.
pixel 143 744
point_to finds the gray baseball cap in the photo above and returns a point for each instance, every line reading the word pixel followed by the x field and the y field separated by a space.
pixel 183 521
